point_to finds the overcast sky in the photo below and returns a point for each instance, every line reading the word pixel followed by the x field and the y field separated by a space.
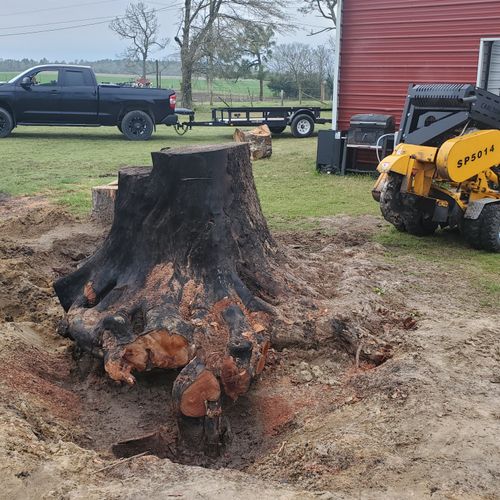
pixel 19 21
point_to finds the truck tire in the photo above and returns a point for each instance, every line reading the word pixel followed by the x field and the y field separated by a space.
pixel 302 126
pixel 6 123
pixel 137 126
pixel 471 231
pixel 490 227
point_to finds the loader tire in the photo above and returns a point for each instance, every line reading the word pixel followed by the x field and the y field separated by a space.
pixel 490 227
pixel 417 223
pixel 471 231
pixel 391 204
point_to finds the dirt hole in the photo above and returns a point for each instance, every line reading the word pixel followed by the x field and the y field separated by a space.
pixel 127 421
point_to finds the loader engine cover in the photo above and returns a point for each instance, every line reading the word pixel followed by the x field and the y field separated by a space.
pixel 461 158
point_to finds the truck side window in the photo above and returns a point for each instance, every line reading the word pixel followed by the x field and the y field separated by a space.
pixel 75 78
pixel 46 79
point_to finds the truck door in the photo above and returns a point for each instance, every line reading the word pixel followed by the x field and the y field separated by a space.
pixel 40 101
pixel 79 100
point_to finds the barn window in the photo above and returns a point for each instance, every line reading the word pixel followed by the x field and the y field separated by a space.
pixel 488 74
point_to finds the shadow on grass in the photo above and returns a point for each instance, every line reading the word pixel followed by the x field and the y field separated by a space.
pixel 76 135
pixel 73 135
pixel 443 239
pixel 446 245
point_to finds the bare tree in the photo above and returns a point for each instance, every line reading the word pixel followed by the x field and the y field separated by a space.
pixel 323 56
pixel 325 8
pixel 140 26
pixel 197 23
pixel 295 60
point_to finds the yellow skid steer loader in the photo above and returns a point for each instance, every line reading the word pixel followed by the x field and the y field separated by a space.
pixel 444 170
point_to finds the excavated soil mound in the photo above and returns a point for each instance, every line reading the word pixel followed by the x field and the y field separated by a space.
pixel 372 392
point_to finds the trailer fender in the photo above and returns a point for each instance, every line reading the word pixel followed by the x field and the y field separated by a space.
pixel 476 207
pixel 301 112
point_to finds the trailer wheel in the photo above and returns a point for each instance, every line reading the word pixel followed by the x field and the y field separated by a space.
pixel 490 227
pixel 6 123
pixel 277 130
pixel 302 126
pixel 471 231
pixel 137 126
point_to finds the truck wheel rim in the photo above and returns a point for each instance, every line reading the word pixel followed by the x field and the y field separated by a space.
pixel 3 123
pixel 303 126
pixel 138 126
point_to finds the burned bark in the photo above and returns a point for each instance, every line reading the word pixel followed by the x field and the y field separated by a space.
pixel 183 280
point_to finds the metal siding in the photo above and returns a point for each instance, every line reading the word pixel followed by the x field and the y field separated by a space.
pixel 388 44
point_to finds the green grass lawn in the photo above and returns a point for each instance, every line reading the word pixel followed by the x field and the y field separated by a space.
pixel 63 164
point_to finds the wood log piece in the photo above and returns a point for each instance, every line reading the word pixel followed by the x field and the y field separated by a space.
pixel 360 343
pixel 259 140
pixel 185 279
pixel 103 202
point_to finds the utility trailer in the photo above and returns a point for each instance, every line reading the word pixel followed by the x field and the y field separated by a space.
pixel 301 120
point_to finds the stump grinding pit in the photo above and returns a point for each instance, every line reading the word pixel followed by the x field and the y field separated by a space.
pixel 188 278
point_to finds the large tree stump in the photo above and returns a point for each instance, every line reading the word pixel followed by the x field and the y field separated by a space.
pixel 183 280
pixel 259 140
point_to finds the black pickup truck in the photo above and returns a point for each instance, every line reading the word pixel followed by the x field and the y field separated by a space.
pixel 69 95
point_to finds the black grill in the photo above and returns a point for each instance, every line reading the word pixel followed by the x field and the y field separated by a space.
pixel 365 130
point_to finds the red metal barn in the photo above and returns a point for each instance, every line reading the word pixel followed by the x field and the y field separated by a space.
pixel 387 44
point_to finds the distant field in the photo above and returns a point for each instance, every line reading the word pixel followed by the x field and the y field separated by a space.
pixel 227 88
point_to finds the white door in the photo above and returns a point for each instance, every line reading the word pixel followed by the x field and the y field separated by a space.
pixel 493 83
pixel 488 71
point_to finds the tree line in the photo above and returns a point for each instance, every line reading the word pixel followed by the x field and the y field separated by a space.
pixel 123 66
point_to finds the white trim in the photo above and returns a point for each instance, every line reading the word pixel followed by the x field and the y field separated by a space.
pixel 480 62
pixel 336 67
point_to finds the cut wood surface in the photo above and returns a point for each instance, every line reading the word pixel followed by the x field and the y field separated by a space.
pixel 103 202
pixel 183 280
pixel 259 140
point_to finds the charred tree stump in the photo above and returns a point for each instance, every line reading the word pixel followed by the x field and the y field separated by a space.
pixel 183 280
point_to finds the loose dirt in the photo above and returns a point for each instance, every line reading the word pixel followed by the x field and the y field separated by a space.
pixel 330 417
